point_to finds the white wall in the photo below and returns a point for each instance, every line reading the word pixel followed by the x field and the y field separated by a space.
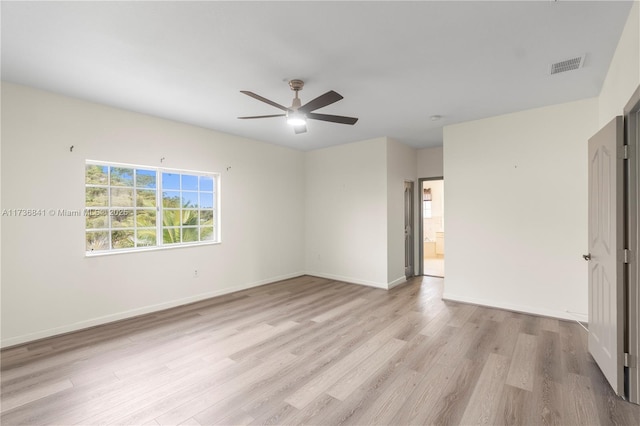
pixel 355 211
pixel 516 209
pixel 401 167
pixel 49 286
pixel 517 245
pixel 346 212
pixel 623 76
pixel 437 196
pixel 430 162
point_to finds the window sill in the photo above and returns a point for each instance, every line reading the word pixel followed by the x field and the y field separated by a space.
pixel 148 249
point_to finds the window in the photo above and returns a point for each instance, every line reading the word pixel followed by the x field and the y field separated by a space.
pixel 426 210
pixel 426 203
pixel 137 207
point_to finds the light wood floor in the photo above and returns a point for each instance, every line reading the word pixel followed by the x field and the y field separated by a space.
pixel 315 351
pixel 434 266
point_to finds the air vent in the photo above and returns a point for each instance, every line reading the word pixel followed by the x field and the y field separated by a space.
pixel 567 65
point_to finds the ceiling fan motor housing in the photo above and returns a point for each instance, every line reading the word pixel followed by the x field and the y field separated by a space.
pixel 296 84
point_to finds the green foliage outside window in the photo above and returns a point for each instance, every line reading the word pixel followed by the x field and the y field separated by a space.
pixel 130 207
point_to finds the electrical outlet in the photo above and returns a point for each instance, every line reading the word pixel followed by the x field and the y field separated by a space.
pixel 195 273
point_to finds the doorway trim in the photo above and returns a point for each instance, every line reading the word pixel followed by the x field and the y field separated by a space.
pixel 421 222
pixel 632 283
pixel 409 229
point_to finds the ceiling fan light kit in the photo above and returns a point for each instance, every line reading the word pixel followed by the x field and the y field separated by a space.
pixel 297 114
pixel 294 118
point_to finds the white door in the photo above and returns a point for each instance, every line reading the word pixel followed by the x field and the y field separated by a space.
pixel 605 254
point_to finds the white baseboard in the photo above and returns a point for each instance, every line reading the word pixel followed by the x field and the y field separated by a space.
pixel 565 315
pixel 349 280
pixel 397 282
pixel 12 341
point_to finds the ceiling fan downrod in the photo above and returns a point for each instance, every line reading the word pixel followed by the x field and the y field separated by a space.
pixel 296 86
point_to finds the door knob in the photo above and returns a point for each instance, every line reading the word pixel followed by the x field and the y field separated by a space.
pixel 587 257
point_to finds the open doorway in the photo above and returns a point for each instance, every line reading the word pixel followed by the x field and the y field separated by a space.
pixel 432 234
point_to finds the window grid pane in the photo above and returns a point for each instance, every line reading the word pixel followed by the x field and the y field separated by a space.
pixel 195 206
pixel 130 206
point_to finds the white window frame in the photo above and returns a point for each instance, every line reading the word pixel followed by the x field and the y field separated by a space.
pixel 159 228
pixel 427 209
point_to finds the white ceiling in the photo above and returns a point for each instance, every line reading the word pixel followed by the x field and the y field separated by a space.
pixel 395 63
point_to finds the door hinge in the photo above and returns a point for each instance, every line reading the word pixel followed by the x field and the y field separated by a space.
pixel 625 256
pixel 625 153
pixel 629 360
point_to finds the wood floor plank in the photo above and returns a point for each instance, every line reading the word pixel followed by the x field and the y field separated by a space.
pixel 41 365
pixel 358 375
pixel 348 336
pixel 309 350
pixel 159 405
pixel 259 401
pixel 449 408
pixel 484 340
pixel 281 340
pixel 462 315
pixel 204 402
pixel 247 339
pixel 507 335
pixel 278 416
pixel 319 304
pixel 194 351
pixel 530 324
pixel 546 401
pixel 114 398
pixel 483 313
pixel 321 383
pixel 392 398
pixel 436 324
pixel 365 398
pixel 188 422
pixel 237 418
pixel 522 369
pixel 313 414
pixel 340 309
pixel 579 405
pixel 574 357
pixel 514 407
pixel 550 324
pixel 425 394
pixel 456 347
pixel 549 357
pixel 483 404
pixel 259 398
pixel 21 398
pixel 428 350
pixel 611 408
pixel 140 395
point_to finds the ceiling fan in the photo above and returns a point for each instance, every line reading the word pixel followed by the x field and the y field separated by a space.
pixel 297 114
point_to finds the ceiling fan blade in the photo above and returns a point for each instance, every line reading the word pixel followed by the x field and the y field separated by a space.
pixel 332 118
pixel 321 101
pixel 263 116
pixel 265 100
pixel 300 129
